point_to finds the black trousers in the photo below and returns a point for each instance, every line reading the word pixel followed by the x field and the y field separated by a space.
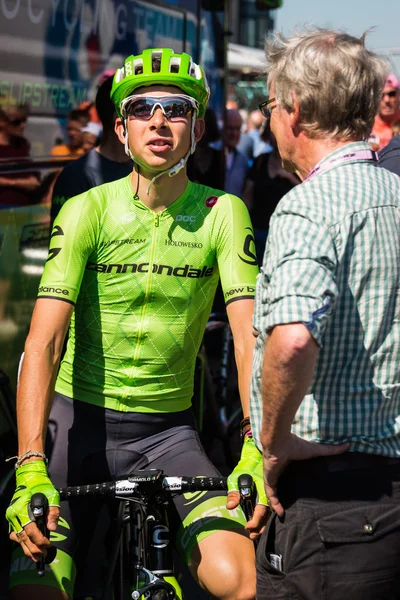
pixel 340 536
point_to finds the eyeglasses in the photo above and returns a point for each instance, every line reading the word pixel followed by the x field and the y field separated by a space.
pixel 391 94
pixel 266 109
pixel 143 107
pixel 17 122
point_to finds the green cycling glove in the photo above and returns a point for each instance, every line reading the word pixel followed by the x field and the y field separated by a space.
pixel 31 479
pixel 250 463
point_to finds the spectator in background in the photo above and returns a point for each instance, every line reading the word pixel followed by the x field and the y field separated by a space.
pixel 396 128
pixel 388 113
pixel 91 136
pixel 103 164
pixel 251 144
pixel 15 189
pixel 90 106
pixel 389 156
pixel 207 164
pixel 77 120
pixel 266 184
pixel 246 142
pixel 236 164
pixel 231 104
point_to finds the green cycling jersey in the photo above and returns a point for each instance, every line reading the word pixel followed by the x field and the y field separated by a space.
pixel 143 283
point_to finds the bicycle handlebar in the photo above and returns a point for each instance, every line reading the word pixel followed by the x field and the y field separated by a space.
pixel 136 485
pixel 149 482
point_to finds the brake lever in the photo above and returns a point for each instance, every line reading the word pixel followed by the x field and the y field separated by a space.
pixel 39 507
pixel 247 491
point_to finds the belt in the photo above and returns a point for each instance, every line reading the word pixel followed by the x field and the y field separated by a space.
pixel 349 461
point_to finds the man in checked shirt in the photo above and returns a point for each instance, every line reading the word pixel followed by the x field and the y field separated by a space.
pixel 325 406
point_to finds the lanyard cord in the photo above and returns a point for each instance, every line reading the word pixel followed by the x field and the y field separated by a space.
pixel 364 155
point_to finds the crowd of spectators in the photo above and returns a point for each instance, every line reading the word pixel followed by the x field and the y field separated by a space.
pixel 237 154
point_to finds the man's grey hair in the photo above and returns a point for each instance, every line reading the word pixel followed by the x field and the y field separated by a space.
pixel 337 81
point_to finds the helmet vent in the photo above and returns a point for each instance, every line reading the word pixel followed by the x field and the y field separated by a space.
pixel 138 66
pixel 156 61
pixel 120 74
pixel 195 71
pixel 174 64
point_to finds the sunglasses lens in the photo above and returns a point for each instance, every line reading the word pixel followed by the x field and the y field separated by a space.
pixel 139 109
pixel 17 122
pixel 176 109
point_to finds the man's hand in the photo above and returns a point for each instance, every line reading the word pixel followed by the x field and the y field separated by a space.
pixel 251 464
pixel 31 479
pixel 294 448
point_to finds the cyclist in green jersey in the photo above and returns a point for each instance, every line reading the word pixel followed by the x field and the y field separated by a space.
pixel 132 270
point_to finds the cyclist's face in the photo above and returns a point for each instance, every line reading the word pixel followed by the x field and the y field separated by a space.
pixel 158 142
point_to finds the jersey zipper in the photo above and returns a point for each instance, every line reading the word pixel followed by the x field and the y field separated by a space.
pixel 148 288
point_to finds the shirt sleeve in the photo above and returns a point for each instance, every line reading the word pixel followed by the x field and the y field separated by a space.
pixel 236 253
pixel 298 278
pixel 72 240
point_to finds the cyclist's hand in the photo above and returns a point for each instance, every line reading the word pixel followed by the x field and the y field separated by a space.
pixel 251 463
pixel 31 479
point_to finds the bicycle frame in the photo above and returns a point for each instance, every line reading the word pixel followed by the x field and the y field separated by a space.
pixel 142 556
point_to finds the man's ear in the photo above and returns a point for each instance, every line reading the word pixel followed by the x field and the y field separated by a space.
pixel 294 115
pixel 120 130
pixel 199 128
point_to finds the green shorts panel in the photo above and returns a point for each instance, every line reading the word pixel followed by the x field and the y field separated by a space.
pixel 59 574
pixel 205 519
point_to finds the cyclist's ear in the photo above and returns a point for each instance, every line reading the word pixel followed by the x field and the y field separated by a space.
pixel 120 129
pixel 199 128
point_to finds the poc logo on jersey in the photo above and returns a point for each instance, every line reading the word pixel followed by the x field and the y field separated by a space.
pixel 127 217
pixel 211 201
pixel 185 218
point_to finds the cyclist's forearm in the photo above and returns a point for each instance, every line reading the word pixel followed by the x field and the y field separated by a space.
pixel 240 315
pixel 43 348
pixel 35 394
pixel 244 359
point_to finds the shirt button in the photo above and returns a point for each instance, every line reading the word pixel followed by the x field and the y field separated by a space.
pixel 368 528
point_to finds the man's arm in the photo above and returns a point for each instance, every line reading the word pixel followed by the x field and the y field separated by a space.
pixel 289 361
pixel 290 358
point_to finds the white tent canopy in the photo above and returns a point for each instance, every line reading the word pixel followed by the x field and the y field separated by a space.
pixel 245 59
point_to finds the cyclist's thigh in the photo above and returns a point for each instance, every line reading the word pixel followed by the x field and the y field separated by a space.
pixel 198 514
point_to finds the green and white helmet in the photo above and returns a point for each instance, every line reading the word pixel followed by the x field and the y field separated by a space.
pixel 161 66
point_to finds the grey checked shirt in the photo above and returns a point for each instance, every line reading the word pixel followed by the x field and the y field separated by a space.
pixel 332 262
